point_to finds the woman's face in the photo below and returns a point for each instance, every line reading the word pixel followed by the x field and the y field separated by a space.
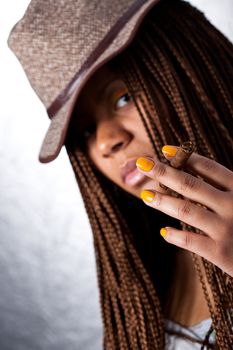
pixel 114 133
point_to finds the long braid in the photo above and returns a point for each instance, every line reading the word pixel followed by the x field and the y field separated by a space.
pixel 170 60
pixel 202 94
pixel 124 287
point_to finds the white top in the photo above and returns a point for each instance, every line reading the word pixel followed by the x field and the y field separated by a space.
pixel 198 331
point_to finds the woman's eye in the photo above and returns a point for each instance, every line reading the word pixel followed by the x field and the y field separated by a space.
pixel 122 101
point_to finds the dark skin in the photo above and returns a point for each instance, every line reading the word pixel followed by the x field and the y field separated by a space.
pixel 115 134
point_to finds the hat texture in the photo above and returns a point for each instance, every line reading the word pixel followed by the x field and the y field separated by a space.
pixel 60 44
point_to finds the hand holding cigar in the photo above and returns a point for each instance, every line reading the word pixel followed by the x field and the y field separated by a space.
pixel 204 202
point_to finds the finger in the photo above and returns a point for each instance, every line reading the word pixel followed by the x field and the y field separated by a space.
pixel 194 242
pixel 183 210
pixel 210 170
pixel 187 185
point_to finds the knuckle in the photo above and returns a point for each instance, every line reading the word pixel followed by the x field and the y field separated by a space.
pixel 224 239
pixel 209 165
pixel 223 250
pixel 226 229
pixel 190 183
pixel 158 199
pixel 187 242
pixel 226 204
pixel 160 170
pixel 184 210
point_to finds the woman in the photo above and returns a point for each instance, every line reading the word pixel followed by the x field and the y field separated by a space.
pixel 171 84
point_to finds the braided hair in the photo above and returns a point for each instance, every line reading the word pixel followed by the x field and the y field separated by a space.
pixel 178 59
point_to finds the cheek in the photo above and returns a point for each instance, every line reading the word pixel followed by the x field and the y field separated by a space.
pixel 102 165
pixel 135 124
pixel 111 173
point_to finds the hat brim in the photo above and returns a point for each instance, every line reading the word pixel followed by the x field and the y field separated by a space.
pixel 56 133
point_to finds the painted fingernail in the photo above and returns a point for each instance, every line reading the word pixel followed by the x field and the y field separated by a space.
pixel 147 195
pixel 145 164
pixel 163 232
pixel 169 151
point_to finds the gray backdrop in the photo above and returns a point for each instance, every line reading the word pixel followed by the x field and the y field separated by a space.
pixel 48 296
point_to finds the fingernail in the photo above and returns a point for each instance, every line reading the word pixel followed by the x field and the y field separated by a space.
pixel 147 195
pixel 163 232
pixel 169 151
pixel 145 164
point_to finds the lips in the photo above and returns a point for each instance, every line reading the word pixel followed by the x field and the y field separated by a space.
pixel 130 174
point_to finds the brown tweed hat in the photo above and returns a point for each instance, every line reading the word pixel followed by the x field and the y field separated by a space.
pixel 60 44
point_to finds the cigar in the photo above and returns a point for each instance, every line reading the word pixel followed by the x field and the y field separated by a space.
pixel 178 161
pixel 184 152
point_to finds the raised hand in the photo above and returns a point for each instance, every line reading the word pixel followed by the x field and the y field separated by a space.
pixel 214 217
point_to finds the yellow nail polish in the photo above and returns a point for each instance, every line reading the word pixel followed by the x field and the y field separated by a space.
pixel 147 195
pixel 169 151
pixel 145 164
pixel 163 232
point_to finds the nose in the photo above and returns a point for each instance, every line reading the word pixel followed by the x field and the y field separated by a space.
pixel 111 137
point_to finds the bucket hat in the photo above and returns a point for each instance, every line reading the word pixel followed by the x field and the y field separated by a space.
pixel 60 45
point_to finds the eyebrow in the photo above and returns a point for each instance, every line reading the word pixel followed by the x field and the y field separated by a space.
pixel 104 86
